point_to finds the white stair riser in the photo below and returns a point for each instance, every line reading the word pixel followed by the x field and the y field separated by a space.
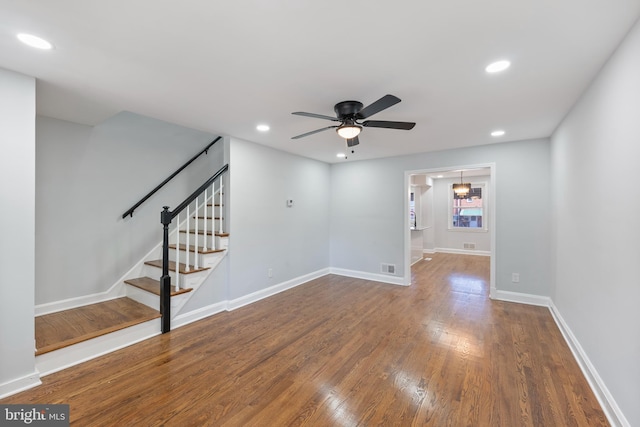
pixel 201 222
pixel 222 242
pixel 186 280
pixel 152 300
pixel 204 260
pixel 213 210
pixel 196 239
pixel 143 297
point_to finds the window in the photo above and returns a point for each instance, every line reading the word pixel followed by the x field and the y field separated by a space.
pixel 468 213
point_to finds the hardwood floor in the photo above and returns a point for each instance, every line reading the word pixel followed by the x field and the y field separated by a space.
pixel 65 328
pixel 344 352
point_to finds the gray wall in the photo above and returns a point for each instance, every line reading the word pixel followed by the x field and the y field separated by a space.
pixel 87 177
pixel 595 156
pixel 17 216
pixel 368 199
pixel 265 233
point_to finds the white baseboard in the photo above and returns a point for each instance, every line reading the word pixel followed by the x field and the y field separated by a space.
pixel 393 280
pixel 460 251
pixel 607 402
pixel 265 293
pixel 19 384
pixel 198 314
pixel 521 298
pixel 66 357
pixel 67 304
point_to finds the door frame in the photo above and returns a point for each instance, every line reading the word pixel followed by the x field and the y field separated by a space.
pixel 492 218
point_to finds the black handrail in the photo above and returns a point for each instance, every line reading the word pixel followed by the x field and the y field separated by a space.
pixel 166 216
pixel 152 192
pixel 199 191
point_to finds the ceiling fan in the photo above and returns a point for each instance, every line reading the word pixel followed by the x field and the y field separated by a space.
pixel 349 114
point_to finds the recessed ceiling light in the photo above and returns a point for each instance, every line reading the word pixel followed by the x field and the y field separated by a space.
pixel 263 128
pixel 497 133
pixel 34 41
pixel 498 66
pixel 440 176
pixel 341 155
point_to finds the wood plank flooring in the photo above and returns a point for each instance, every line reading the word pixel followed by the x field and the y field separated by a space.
pixel 344 352
pixel 65 328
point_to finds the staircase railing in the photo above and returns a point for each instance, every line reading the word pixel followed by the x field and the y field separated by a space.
pixel 129 212
pixel 192 205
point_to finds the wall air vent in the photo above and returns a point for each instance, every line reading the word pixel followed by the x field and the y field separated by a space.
pixel 388 268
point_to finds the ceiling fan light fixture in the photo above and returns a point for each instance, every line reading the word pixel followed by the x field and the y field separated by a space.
pixel 349 130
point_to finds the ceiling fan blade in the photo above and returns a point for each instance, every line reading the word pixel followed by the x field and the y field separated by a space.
pixel 353 141
pixel 312 132
pixel 388 125
pixel 317 116
pixel 381 104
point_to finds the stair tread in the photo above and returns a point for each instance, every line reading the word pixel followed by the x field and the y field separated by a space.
pixel 192 248
pixel 209 233
pixel 208 217
pixel 152 285
pixel 172 266
pixel 65 328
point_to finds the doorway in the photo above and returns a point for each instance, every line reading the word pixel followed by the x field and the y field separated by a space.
pixel 438 221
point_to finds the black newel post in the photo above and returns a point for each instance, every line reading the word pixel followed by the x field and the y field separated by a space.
pixel 165 280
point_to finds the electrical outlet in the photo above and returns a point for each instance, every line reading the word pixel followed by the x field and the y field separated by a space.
pixel 270 272
pixel 515 277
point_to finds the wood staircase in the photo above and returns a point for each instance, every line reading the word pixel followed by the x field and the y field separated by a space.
pixel 142 291
pixel 65 328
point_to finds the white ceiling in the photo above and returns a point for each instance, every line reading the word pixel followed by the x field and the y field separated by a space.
pixel 224 67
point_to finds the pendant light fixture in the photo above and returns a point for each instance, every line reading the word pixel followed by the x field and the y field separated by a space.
pixel 461 191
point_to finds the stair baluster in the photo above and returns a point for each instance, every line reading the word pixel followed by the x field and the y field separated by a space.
pixel 177 251
pixel 195 236
pixel 220 203
pixel 206 214
pixel 186 252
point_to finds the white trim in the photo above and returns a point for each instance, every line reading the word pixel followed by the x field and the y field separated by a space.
pixel 19 384
pixel 604 396
pixel 265 293
pixel 609 406
pixel 66 357
pixel 416 261
pixel 521 298
pixel 392 280
pixel 461 251
pixel 198 314
pixel 68 304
